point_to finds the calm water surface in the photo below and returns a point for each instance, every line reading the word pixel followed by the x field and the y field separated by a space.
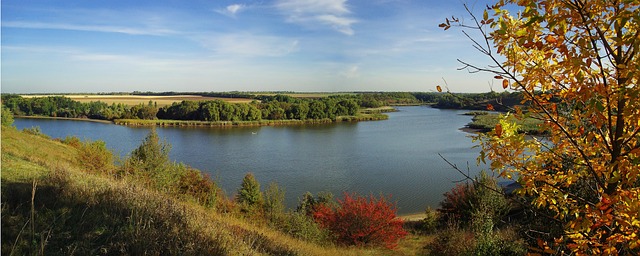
pixel 397 157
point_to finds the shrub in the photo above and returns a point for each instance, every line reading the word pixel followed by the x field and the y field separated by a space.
pixel 430 221
pixel 72 141
pixel 35 131
pixel 479 204
pixel 456 241
pixel 456 204
pixel 96 157
pixel 198 186
pixel 362 221
pixel 452 241
pixel 303 227
pixel 308 202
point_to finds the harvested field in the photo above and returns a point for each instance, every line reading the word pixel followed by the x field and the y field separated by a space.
pixel 137 99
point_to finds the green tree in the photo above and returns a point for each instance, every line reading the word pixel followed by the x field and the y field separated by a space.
pixel 317 110
pixel 249 194
pixel 7 116
pixel 274 200
pixel 577 65
pixel 152 156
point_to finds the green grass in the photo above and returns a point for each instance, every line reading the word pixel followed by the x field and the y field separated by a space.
pixel 486 122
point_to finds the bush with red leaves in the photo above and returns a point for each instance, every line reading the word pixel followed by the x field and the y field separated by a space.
pixel 362 221
pixel 456 205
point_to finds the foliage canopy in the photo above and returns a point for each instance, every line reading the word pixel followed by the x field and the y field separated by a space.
pixel 576 64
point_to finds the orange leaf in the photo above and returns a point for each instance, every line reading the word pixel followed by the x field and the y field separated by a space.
pixel 490 107
pixel 497 77
pixel 550 39
pixel 439 88
pixel 498 130
pixel 505 83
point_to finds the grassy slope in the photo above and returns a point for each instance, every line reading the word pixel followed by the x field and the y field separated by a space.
pixel 74 212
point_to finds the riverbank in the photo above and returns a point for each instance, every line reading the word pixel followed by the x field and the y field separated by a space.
pixel 67 118
pixel 163 122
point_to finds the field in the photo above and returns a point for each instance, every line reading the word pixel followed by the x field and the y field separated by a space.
pixel 313 95
pixel 137 99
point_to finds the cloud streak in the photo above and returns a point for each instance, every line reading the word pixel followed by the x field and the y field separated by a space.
pixel 88 28
pixel 248 45
pixel 314 13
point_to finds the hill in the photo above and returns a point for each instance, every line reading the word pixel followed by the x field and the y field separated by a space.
pixel 54 203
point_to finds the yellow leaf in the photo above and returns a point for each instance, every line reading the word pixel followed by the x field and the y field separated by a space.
pixel 505 83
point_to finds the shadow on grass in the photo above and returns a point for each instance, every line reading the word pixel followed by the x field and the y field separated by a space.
pixel 62 220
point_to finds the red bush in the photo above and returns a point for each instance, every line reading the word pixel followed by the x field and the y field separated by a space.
pixel 362 221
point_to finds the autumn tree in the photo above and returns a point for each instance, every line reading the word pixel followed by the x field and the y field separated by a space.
pixel 576 63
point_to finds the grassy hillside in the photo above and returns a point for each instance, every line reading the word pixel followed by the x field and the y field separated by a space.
pixel 52 204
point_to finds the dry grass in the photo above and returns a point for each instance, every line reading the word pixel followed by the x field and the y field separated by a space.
pixel 141 99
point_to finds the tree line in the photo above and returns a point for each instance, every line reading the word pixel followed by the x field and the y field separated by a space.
pixel 59 106
pixel 279 107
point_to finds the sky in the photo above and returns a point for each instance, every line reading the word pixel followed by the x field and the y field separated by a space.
pixel 76 46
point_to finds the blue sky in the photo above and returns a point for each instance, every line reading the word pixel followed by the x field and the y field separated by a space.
pixel 284 45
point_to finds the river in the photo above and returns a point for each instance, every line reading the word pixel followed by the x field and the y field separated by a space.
pixel 397 157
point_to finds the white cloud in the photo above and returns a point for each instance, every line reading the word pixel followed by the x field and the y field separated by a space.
pixel 332 13
pixel 90 28
pixel 249 45
pixel 232 10
pixel 352 72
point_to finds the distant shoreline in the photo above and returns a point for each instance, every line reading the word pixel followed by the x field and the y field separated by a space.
pixel 195 123
pixel 66 118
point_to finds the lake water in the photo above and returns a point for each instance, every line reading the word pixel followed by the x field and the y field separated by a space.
pixel 397 157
